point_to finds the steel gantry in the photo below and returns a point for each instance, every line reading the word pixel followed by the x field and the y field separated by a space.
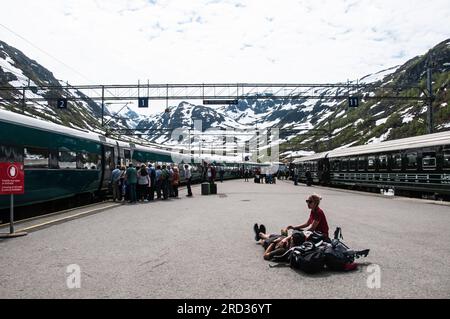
pixel 218 93
pixel 221 91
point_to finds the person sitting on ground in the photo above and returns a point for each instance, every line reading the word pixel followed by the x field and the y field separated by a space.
pixel 316 222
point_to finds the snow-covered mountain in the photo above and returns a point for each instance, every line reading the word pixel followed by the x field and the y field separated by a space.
pixel 17 70
pixel 308 124
pixel 376 120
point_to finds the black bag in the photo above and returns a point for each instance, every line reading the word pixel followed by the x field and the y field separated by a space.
pixel 213 188
pixel 337 256
pixel 205 188
pixel 316 237
pixel 307 258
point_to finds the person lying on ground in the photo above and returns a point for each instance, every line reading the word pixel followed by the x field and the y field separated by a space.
pixel 275 244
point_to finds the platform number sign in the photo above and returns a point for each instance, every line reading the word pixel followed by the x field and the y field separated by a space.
pixel 353 101
pixel 62 103
pixel 143 102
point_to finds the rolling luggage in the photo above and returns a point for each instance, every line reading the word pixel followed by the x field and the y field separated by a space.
pixel 213 188
pixel 205 188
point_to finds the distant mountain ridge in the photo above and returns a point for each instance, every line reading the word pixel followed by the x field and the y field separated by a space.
pixel 307 124
pixel 17 70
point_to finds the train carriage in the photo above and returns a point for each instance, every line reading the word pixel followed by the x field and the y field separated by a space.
pixel 66 163
pixel 414 165
pixel 59 161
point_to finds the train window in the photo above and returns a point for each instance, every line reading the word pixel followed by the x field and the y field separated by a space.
pixel 411 160
pixel 371 163
pixel 383 162
pixel 35 157
pixel 397 161
pixel 429 160
pixel 344 164
pixel 67 159
pixel 88 161
pixel 335 165
pixel 361 163
pixel 352 164
pixel 446 163
pixel 53 159
pixel 11 153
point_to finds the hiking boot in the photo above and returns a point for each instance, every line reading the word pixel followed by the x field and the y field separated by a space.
pixel 262 229
pixel 256 229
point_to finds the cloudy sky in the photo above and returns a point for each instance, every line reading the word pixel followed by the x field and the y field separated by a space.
pixel 207 41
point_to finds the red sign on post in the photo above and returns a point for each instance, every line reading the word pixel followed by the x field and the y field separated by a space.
pixel 12 178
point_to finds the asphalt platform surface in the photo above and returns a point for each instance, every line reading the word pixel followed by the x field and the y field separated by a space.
pixel 204 247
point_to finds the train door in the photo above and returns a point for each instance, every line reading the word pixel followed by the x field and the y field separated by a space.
pixel 118 157
pixel 124 157
pixel 127 157
pixel 108 164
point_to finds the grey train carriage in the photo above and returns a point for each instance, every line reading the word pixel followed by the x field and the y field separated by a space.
pixel 411 166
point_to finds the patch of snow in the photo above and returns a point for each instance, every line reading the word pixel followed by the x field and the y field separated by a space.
pixel 379 113
pixel 407 118
pixel 347 145
pixel 7 65
pixel 325 116
pixel 378 76
pixel 338 130
pixel 386 83
pixel 297 153
pixel 381 121
pixel 405 110
pixel 383 137
pixel 424 109
pixel 375 105
pixel 340 113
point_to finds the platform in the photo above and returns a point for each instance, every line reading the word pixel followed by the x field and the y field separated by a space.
pixel 204 247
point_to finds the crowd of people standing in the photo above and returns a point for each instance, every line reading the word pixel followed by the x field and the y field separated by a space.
pixel 143 183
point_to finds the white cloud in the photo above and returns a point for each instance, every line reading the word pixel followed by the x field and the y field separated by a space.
pixel 121 41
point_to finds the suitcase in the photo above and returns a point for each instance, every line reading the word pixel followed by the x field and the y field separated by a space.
pixel 205 188
pixel 213 188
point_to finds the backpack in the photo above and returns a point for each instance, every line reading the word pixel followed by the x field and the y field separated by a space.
pixel 338 256
pixel 164 175
pixel 316 237
pixel 175 178
pixel 308 258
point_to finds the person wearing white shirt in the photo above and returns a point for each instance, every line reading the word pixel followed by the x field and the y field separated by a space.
pixel 188 177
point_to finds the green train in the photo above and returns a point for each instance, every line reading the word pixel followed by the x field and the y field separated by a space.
pixel 66 163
